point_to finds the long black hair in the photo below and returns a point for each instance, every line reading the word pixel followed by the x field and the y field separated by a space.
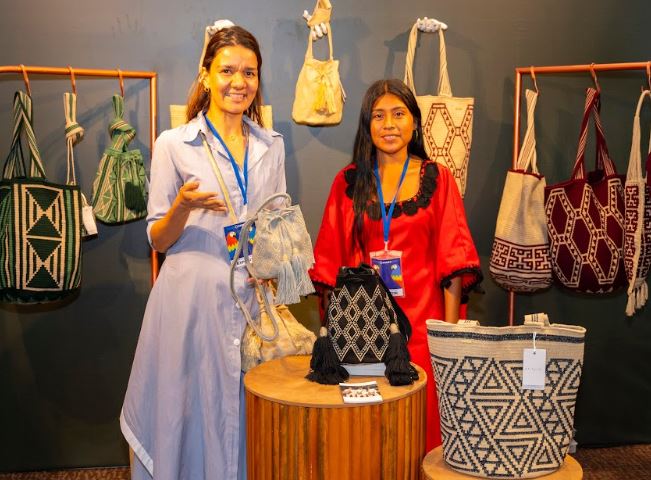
pixel 364 152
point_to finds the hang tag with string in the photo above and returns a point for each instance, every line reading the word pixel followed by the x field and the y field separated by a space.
pixel 534 366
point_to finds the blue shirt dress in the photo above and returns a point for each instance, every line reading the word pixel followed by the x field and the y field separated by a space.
pixel 183 414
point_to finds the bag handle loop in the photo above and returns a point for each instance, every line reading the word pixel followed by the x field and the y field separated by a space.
pixel 528 155
pixel 634 171
pixel 603 161
pixel 74 134
pixel 444 87
pixel 244 236
pixel 22 122
pixel 309 54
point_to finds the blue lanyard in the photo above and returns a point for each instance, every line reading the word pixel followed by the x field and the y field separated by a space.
pixel 386 218
pixel 243 185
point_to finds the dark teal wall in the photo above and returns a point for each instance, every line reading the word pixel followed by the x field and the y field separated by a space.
pixel 63 371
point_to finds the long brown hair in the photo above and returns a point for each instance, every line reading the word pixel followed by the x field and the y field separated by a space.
pixel 364 151
pixel 199 99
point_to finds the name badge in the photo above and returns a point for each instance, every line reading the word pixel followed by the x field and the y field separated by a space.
pixel 232 236
pixel 388 264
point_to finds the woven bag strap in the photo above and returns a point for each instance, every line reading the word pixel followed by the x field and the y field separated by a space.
pixel 309 54
pixel 527 155
pixel 244 239
pixel 22 122
pixel 444 87
pixel 220 178
pixel 121 132
pixel 74 134
pixel 603 162
pixel 634 172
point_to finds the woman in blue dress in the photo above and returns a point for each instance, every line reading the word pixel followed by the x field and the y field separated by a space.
pixel 183 414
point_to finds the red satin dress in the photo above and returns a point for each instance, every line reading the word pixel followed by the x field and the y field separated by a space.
pixel 431 231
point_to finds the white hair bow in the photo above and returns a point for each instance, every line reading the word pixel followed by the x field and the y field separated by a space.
pixel 210 31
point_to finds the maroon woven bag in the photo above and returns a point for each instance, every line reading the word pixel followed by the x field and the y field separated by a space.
pixel 585 217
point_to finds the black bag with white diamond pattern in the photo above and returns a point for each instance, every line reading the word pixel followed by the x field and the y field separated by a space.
pixel 359 316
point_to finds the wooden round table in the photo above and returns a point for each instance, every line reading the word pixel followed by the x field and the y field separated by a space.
pixel 435 468
pixel 297 429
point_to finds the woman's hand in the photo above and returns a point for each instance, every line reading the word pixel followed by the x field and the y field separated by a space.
pixel 190 198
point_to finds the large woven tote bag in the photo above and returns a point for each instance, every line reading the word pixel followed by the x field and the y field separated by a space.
pixel 447 120
pixel 585 217
pixel 119 188
pixel 319 97
pixel 40 222
pixel 491 426
pixel 520 256
pixel 637 223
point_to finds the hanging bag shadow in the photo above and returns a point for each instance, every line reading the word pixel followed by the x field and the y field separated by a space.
pixel 447 120
pixel 520 256
pixel 637 223
pixel 119 188
pixel 585 217
pixel 40 222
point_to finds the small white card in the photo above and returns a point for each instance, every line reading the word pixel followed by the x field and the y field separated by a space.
pixel 534 363
pixel 88 219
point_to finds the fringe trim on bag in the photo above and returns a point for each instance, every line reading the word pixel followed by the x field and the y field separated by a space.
pixel 287 288
pixel 398 369
pixel 324 365
pixel 637 299
pixel 304 283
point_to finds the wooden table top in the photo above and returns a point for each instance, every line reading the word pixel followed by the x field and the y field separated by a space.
pixel 283 381
pixel 435 468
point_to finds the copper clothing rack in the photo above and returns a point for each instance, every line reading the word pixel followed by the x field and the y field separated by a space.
pixel 533 71
pixel 89 72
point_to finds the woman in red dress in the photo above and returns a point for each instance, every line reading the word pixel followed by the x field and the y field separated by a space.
pixel 423 222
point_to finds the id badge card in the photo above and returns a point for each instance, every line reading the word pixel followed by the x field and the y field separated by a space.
pixel 388 264
pixel 232 236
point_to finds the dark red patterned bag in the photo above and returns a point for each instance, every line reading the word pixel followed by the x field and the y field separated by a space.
pixel 585 217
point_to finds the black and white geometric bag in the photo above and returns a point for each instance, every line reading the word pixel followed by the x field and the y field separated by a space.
pixel 491 426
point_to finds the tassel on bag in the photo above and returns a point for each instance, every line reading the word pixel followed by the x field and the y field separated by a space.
pixel 287 287
pixel 304 284
pixel 398 369
pixel 324 365
pixel 133 198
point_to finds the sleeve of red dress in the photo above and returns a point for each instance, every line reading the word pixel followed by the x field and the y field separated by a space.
pixel 456 255
pixel 334 243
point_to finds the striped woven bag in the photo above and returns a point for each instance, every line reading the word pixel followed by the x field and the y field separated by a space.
pixel 40 222
pixel 119 189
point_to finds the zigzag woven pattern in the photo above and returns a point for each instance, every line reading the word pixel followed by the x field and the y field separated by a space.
pixel 491 426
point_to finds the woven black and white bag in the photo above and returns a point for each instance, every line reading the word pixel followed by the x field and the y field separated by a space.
pixel 364 324
pixel 491 426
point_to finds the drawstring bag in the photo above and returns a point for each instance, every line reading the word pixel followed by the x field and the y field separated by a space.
pixel 40 222
pixel 119 189
pixel 497 422
pixel 585 217
pixel 447 120
pixel 319 98
pixel 637 221
pixel 282 250
pixel 364 324
pixel 292 339
pixel 520 257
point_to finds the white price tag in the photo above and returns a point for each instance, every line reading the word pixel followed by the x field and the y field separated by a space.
pixel 534 364
pixel 88 218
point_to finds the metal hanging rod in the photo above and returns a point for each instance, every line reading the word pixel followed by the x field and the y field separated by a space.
pixel 533 71
pixel 71 72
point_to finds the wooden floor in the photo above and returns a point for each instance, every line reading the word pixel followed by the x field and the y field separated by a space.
pixel 619 463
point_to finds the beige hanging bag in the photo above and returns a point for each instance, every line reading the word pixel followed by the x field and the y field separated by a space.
pixel 319 98
pixel 447 120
